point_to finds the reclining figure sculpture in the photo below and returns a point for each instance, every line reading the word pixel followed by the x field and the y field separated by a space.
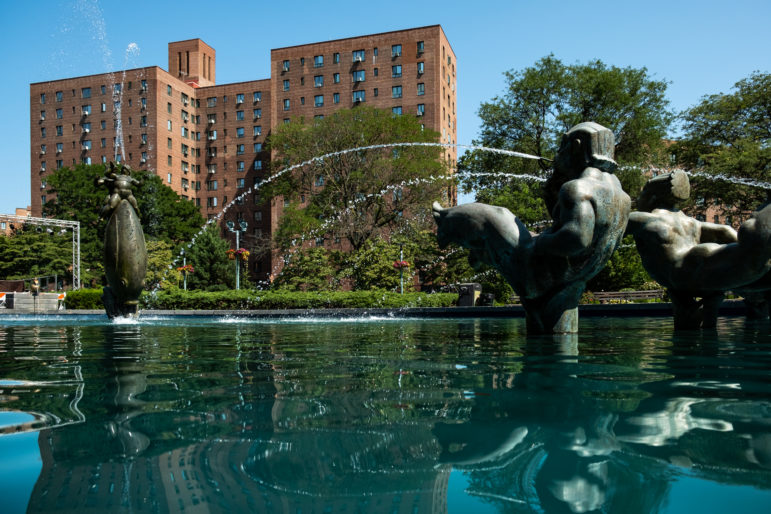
pixel 549 271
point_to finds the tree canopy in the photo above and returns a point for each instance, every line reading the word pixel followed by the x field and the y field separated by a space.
pixel 545 100
pixel 75 196
pixel 728 134
pixel 359 194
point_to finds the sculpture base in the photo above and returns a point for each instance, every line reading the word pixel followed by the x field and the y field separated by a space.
pixel 117 309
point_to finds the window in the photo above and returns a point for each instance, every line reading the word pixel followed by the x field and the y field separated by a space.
pixel 43 132
pixel 358 76
pixel 240 166
pixel 143 138
pixel 336 78
pixel 396 50
pixel 239 115
pixel 257 165
pixel 319 182
pixel 318 61
pixel 168 125
pixel 318 101
pixel 421 89
pixel 85 110
pixel 286 104
pixel 168 90
pixel 211 101
pixel 375 92
pixel 421 47
pixel 257 114
pixel 87 144
pixel 374 72
pixel 358 55
pixel 42 98
pixel 240 132
pixel 212 135
pixel 185 149
pixel 374 52
pixel 85 92
pixel 59 163
pixel 211 185
pixel 117 88
pixel 257 97
pixel 302 61
pixel 60 113
pixel 212 168
pixel 184 115
pixel 396 110
pixel 168 142
pixel 59 130
pixel 142 121
pixel 240 183
pixel 239 149
pixel 185 132
pixel 396 71
pixel 286 85
pixel 185 99
pixel 60 96
pixel 102 89
pixel 421 68
pixel 421 109
pixel 396 92
pixel 257 147
pixel 257 215
pixel 285 65
pixel 144 86
pixel 336 58
pixel 211 118
pixel 239 98
pixel 336 98
pixel 60 147
pixel 358 96
pixel 257 130
pixel 318 81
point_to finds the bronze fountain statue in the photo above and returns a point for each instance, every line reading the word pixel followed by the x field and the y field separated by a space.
pixel 125 254
pixel 549 271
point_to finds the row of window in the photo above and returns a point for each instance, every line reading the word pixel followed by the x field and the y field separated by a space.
pixel 85 92
pixel 356 76
pixel 212 100
pixel 358 96
pixel 356 56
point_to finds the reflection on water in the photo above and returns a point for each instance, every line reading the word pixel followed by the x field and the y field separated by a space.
pixel 378 416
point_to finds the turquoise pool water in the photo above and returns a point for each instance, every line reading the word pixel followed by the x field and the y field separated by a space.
pixel 382 415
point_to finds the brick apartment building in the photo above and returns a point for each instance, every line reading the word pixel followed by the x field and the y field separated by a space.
pixel 206 141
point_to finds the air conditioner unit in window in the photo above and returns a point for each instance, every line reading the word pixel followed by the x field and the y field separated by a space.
pixel 358 58
pixel 86 130
pixel 142 161
pixel 42 118
pixel 42 152
pixel 85 113
pixel 42 168
pixel 211 120
pixel 420 113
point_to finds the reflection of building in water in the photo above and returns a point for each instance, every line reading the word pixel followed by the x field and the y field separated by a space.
pixel 235 476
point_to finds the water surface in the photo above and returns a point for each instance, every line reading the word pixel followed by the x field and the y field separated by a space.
pixel 383 415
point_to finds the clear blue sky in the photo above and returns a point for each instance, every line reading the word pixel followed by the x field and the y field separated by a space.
pixel 701 47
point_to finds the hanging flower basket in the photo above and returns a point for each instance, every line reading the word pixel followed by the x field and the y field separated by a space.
pixel 243 253
pixel 401 264
pixel 187 268
pixel 231 254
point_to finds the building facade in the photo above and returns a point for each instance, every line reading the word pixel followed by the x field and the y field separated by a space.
pixel 207 141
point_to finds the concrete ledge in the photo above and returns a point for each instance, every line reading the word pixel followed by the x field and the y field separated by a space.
pixel 729 308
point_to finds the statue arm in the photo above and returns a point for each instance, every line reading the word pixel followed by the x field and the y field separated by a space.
pixel 714 233
pixel 637 220
pixel 576 231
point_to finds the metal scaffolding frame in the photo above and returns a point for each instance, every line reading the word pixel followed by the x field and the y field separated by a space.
pixel 50 222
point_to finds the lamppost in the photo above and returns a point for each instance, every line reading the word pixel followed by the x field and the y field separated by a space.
pixel 401 268
pixel 241 228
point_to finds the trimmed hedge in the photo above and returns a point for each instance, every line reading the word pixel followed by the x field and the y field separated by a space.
pixel 178 299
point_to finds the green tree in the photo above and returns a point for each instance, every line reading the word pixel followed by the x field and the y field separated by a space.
pixel 159 258
pixel 213 270
pixel 357 195
pixel 33 251
pixel 163 214
pixel 623 271
pixel 310 269
pixel 728 134
pixel 541 103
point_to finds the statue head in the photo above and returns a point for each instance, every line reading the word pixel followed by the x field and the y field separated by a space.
pixel 587 144
pixel 664 191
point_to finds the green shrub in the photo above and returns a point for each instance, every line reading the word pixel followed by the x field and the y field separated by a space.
pixel 177 299
pixel 84 299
